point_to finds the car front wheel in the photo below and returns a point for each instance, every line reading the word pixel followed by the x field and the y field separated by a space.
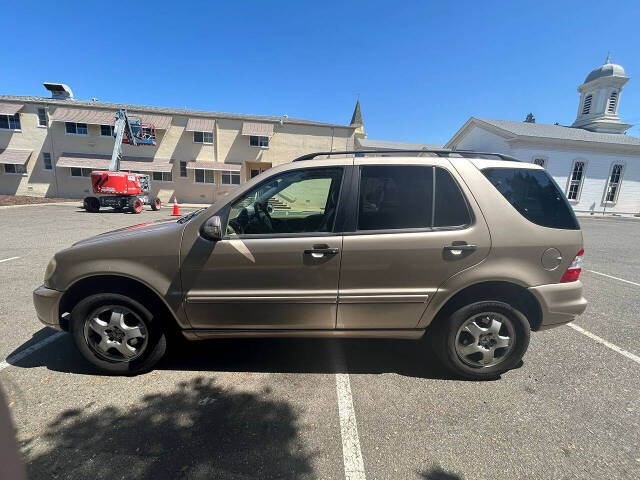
pixel 117 334
pixel 482 340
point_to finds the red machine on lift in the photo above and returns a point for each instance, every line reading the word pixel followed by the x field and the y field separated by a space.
pixel 123 190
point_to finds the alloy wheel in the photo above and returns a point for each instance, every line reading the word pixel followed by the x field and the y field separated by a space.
pixel 485 339
pixel 116 333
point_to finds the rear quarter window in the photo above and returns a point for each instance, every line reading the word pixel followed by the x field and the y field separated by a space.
pixel 451 208
pixel 535 195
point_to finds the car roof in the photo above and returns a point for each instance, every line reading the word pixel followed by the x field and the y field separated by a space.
pixel 424 158
pixel 482 163
pixel 440 152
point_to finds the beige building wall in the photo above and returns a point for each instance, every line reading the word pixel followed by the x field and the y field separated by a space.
pixel 37 181
pixel 175 144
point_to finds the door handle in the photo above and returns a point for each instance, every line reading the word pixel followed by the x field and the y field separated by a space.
pixel 458 249
pixel 319 251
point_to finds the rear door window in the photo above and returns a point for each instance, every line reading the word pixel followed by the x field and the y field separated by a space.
pixel 535 195
pixel 394 197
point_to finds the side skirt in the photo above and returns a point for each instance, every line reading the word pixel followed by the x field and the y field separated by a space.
pixel 204 334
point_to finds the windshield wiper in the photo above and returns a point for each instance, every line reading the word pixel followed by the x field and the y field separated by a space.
pixel 189 216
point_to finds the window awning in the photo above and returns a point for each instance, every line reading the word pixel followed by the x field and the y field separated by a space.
pixel 200 125
pixel 106 117
pixel 12 156
pixel 257 129
pixel 10 108
pixel 208 165
pixel 101 162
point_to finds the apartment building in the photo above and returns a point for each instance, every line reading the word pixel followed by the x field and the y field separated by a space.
pixel 50 145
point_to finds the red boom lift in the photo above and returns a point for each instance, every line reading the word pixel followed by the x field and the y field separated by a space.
pixel 123 190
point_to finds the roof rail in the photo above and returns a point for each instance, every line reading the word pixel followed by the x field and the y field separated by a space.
pixel 440 152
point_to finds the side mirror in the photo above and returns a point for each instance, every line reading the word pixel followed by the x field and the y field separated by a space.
pixel 212 229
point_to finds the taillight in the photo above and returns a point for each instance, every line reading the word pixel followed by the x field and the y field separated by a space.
pixel 573 272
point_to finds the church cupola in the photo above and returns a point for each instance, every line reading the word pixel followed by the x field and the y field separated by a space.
pixel 599 99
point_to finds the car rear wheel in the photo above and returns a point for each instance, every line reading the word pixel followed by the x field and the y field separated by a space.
pixel 482 340
pixel 117 334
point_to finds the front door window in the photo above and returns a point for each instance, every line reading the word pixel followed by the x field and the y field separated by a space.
pixel 301 201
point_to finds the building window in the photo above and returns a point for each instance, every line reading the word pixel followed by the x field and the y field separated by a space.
pixel 540 161
pixel 230 178
pixel 575 181
pixel 46 159
pixel 106 130
pixel 42 117
pixel 10 122
pixel 183 169
pixel 204 176
pixel 587 105
pixel 163 176
pixel 76 128
pixel 15 169
pixel 262 142
pixel 80 172
pixel 203 137
pixel 613 102
pixel 613 186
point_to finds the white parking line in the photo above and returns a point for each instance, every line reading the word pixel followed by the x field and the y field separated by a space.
pixel 615 278
pixel 610 345
pixel 28 351
pixel 352 456
pixel 7 259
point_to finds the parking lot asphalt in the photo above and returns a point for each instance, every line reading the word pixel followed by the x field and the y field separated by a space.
pixel 270 408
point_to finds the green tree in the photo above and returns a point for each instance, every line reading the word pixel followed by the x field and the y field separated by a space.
pixel 530 118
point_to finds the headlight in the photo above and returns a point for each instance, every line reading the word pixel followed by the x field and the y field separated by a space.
pixel 51 268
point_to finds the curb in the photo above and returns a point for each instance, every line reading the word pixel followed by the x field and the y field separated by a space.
pixel 3 207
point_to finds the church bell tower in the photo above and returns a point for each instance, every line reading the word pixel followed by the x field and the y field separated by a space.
pixel 599 99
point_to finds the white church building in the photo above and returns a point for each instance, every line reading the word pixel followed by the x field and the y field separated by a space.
pixel 593 160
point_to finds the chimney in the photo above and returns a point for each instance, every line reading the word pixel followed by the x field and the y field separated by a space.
pixel 59 91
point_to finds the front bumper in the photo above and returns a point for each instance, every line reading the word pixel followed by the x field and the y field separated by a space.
pixel 560 302
pixel 46 301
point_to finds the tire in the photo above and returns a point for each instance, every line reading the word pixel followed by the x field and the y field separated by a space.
pixel 150 338
pixel 136 205
pixel 471 346
pixel 156 204
pixel 92 204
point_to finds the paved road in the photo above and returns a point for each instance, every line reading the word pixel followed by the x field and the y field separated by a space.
pixel 269 408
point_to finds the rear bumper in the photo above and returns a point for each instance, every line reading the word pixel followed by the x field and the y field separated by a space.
pixel 560 302
pixel 46 301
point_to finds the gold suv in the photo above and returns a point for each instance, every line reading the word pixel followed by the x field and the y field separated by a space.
pixel 474 249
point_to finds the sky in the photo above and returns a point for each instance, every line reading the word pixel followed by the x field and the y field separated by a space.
pixel 420 68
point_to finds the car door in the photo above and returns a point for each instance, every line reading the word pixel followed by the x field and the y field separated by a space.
pixel 413 226
pixel 277 266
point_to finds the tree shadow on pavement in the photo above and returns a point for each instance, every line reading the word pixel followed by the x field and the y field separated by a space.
pixel 437 473
pixel 199 430
pixel 410 358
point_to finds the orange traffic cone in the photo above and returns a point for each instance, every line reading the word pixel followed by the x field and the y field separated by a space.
pixel 176 210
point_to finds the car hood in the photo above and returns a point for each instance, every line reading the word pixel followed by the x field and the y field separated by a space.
pixel 159 226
